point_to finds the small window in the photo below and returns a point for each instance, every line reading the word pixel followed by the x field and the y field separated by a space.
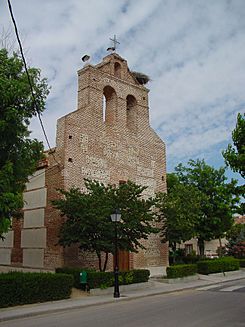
pixel 109 105
pixel 104 107
pixel 131 112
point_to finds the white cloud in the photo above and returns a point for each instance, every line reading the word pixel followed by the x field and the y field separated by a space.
pixel 194 52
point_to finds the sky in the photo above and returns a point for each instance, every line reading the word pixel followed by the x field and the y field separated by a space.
pixel 193 51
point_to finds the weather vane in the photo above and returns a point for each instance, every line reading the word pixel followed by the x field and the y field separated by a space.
pixel 114 42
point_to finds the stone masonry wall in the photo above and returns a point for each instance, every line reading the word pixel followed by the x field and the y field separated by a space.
pixel 109 139
pixel 108 150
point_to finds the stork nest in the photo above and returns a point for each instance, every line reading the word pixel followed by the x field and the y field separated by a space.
pixel 141 78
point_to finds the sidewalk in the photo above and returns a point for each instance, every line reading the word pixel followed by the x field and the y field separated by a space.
pixel 129 292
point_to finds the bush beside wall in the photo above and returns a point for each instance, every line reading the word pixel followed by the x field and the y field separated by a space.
pixel 242 263
pixel 75 272
pixel 179 271
pixel 206 267
pixel 22 288
pixel 98 279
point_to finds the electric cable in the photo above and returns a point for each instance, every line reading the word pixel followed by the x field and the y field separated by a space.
pixel 29 79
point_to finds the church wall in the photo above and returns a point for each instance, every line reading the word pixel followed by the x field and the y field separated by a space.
pixel 53 253
pixel 6 246
pixel 110 152
pixel 120 147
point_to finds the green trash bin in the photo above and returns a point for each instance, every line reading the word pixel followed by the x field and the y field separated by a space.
pixel 83 280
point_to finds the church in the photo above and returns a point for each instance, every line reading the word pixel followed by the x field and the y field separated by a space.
pixel 108 138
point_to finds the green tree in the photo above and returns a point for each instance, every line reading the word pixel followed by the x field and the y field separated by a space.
pixel 88 223
pixel 178 210
pixel 220 201
pixel 235 155
pixel 236 241
pixel 18 153
pixel 236 233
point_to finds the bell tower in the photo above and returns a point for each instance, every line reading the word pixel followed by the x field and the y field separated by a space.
pixel 108 138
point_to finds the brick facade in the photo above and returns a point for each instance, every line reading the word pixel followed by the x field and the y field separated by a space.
pixel 109 139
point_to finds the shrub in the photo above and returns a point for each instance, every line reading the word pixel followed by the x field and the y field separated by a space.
pixel 242 263
pixel 237 250
pixel 206 267
pixel 190 258
pixel 98 279
pixel 176 256
pixel 181 270
pixel 22 288
pixel 139 276
pixel 75 272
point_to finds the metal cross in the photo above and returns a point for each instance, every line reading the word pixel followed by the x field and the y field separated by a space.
pixel 115 42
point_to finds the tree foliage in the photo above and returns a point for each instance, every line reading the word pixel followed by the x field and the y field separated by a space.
pixel 88 223
pixel 236 241
pixel 235 155
pixel 18 153
pixel 179 210
pixel 236 233
pixel 219 202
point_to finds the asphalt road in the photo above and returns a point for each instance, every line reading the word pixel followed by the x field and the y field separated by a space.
pixel 223 305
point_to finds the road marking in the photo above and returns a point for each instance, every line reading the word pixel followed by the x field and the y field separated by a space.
pixel 207 287
pixel 220 289
pixel 231 288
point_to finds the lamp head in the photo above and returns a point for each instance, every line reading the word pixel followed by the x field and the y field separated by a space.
pixel 116 216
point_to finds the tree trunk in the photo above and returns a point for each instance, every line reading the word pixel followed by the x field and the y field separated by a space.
pixel 201 247
pixel 105 262
pixel 220 252
pixel 99 257
pixel 174 245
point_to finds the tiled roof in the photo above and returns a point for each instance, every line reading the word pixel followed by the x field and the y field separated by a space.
pixel 240 220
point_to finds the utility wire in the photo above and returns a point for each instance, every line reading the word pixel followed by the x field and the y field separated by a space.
pixel 29 79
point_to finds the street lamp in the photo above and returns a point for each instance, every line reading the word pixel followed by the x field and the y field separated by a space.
pixel 116 217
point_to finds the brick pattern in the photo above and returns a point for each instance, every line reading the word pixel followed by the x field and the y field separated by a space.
pixel 17 251
pixel 119 147
pixel 53 254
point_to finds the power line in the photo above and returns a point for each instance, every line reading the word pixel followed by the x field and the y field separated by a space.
pixel 28 77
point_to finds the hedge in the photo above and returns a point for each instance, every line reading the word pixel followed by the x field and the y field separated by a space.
pixel 75 272
pixel 206 267
pixel 22 288
pixel 178 271
pixel 242 263
pixel 98 279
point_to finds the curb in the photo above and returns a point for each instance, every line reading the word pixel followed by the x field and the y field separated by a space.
pixel 123 288
pixel 86 305
pixel 73 304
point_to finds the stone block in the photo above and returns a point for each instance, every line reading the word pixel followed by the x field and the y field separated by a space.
pixel 34 218
pixel 33 258
pixel 8 242
pixel 5 256
pixel 35 199
pixel 33 238
pixel 37 180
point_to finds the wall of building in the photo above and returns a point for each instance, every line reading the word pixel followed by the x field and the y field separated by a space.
pixel 6 247
pixel 110 149
pixel 109 139
pixel 211 247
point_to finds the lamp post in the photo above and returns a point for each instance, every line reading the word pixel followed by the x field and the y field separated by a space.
pixel 116 217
